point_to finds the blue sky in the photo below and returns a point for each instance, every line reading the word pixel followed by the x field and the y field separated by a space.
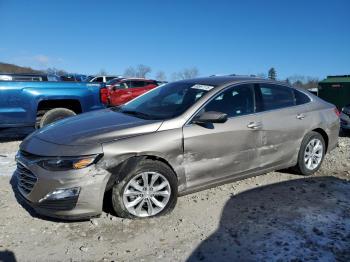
pixel 218 37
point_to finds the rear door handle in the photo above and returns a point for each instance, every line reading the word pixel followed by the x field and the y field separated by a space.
pixel 300 116
pixel 254 125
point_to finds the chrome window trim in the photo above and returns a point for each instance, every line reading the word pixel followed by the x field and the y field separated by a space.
pixel 224 88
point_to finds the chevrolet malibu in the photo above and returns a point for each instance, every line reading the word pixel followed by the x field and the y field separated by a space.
pixel 176 139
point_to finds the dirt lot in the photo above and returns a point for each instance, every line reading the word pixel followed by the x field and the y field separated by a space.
pixel 275 217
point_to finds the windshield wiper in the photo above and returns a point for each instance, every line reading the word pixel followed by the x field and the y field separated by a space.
pixel 136 113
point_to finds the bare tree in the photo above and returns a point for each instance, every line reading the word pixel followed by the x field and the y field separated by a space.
pixel 312 82
pixel 186 74
pixel 190 73
pixel 52 71
pixel 55 71
pixel 61 72
pixel 161 76
pixel 142 70
pixel 130 72
pixel 297 78
pixel 306 82
pixel 298 83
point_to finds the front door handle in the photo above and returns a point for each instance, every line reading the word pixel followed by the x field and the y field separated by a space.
pixel 254 125
pixel 300 116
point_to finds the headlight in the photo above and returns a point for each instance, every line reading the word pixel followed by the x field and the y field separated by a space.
pixel 68 163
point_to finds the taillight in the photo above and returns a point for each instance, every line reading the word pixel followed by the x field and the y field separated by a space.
pixel 336 111
pixel 104 93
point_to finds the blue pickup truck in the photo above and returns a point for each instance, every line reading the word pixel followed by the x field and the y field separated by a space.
pixel 36 104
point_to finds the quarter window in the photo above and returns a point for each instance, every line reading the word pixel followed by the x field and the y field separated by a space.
pixel 300 98
pixel 235 101
pixel 271 97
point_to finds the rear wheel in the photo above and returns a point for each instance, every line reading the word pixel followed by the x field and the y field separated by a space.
pixel 48 117
pixel 149 190
pixel 311 153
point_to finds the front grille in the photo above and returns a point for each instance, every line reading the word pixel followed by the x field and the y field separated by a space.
pixel 26 179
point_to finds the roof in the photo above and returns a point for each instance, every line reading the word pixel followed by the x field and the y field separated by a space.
pixel 223 80
pixel 336 79
pixel 24 74
pixel 137 78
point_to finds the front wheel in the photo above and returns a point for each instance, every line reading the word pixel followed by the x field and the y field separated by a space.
pixel 149 190
pixel 311 154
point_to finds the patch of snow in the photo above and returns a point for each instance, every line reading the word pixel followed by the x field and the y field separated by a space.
pixel 7 164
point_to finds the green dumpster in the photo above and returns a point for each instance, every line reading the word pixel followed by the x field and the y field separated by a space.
pixel 335 90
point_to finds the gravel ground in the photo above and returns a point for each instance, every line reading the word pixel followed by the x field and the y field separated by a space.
pixel 279 216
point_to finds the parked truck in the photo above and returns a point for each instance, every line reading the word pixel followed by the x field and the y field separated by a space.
pixel 36 104
pixel 335 90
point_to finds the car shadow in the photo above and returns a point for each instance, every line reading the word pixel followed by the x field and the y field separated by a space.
pixel 14 134
pixel 298 220
pixel 7 256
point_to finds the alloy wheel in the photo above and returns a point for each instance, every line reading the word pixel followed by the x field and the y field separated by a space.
pixel 313 154
pixel 146 194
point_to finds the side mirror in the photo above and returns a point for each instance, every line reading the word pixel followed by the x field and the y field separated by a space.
pixel 210 117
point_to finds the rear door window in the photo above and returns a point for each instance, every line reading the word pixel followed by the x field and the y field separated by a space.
pixel 270 97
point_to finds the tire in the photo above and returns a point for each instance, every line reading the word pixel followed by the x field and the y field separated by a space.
pixel 52 115
pixel 305 167
pixel 149 168
pixel 39 116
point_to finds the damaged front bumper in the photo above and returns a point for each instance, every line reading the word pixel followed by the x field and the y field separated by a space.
pixel 71 194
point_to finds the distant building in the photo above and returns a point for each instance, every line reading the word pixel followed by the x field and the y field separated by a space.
pixel 313 90
pixel 335 90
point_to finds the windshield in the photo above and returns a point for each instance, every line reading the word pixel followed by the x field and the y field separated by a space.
pixel 166 101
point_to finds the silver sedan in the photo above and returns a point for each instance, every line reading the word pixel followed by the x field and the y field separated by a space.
pixel 176 139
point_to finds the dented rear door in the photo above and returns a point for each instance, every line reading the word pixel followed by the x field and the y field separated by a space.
pixel 283 125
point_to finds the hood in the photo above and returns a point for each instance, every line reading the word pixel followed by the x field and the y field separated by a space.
pixel 96 127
